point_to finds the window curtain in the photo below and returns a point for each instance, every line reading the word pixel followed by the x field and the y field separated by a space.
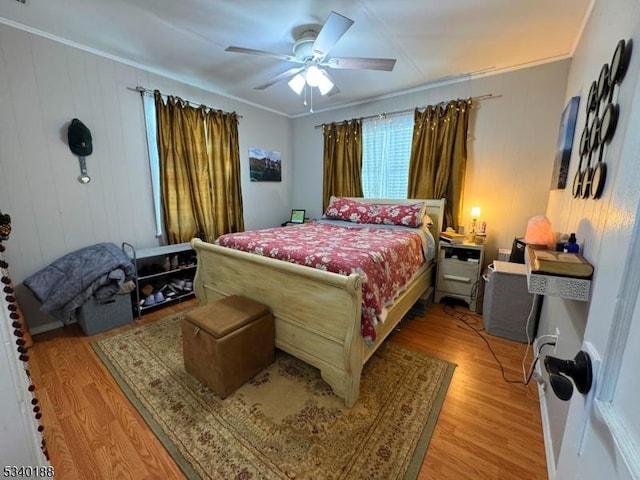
pixel 439 156
pixel 224 169
pixel 342 161
pixel 199 170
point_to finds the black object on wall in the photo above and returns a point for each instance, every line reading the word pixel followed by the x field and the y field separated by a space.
pixel 579 369
pixel 81 144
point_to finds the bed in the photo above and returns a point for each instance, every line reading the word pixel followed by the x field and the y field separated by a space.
pixel 318 314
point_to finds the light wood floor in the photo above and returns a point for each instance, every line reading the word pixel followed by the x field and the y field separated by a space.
pixel 487 429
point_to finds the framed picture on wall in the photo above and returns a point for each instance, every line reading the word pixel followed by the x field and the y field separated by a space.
pixel 565 143
pixel 265 165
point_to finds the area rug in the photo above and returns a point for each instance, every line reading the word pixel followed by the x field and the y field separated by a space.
pixel 285 423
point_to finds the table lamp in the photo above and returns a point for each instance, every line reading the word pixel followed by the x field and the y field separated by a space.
pixel 475 214
pixel 539 233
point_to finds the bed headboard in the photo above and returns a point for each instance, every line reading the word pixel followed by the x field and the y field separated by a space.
pixel 435 209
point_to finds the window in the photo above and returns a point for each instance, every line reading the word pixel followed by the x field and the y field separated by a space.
pixel 386 150
pixel 154 162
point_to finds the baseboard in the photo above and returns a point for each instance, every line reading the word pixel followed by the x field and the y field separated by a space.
pixel 546 432
pixel 45 328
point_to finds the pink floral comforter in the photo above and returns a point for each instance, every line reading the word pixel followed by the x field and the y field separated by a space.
pixel 385 258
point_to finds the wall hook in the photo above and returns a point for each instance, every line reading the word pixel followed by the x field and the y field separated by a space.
pixel 84 177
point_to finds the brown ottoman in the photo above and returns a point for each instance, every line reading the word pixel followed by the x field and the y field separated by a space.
pixel 226 343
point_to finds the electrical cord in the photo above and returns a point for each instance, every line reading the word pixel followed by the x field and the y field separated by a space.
pixel 463 317
pixel 534 308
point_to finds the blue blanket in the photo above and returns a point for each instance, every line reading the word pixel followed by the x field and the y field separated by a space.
pixel 67 283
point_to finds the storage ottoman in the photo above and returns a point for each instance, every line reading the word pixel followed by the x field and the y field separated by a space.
pixel 96 316
pixel 226 343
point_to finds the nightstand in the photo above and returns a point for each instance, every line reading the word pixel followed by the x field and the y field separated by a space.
pixel 459 270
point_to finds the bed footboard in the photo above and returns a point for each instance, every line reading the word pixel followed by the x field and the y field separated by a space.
pixel 317 314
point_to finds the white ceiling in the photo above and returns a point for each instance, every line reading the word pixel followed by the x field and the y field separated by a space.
pixel 433 41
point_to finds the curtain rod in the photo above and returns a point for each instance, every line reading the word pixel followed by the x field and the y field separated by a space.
pixel 142 91
pixel 486 96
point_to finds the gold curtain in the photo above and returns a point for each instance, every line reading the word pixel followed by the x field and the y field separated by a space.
pixel 224 169
pixel 342 161
pixel 439 156
pixel 199 171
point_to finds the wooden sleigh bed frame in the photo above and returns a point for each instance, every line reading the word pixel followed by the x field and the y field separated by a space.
pixel 317 313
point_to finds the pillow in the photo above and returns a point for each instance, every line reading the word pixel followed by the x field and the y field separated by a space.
pixel 409 215
pixel 350 210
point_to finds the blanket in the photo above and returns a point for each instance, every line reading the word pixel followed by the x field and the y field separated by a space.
pixel 67 283
pixel 386 259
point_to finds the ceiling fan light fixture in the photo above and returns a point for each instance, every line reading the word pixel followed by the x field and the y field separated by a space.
pixel 324 84
pixel 314 76
pixel 297 83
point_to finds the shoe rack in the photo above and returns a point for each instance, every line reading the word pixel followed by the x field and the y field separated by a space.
pixel 163 275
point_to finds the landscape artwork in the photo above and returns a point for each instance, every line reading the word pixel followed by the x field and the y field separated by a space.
pixel 265 165
pixel 565 143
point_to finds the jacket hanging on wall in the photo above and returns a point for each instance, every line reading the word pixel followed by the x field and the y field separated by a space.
pixel 79 137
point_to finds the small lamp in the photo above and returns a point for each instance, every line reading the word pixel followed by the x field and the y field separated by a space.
pixel 475 214
pixel 539 233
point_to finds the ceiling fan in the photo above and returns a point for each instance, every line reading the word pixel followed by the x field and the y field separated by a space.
pixel 311 51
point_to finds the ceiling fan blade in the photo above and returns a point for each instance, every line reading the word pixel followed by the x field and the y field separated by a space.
pixel 289 73
pixel 332 31
pixel 251 51
pixel 385 64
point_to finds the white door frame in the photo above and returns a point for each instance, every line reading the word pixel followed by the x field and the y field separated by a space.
pixel 607 381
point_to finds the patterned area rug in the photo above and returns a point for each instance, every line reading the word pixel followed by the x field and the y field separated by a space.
pixel 285 423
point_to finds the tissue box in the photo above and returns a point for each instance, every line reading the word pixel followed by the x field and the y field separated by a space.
pixel 95 316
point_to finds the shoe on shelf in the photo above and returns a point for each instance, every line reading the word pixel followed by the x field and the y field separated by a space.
pixel 147 290
pixel 188 285
pixel 149 301
pixel 159 297
pixel 178 283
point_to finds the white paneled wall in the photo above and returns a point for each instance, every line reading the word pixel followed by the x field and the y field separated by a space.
pixel 47 85
pixel 43 85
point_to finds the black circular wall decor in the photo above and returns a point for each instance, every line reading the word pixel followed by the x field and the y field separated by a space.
pixel 616 63
pixel 603 82
pixel 598 177
pixel 584 141
pixel 592 99
pixel 589 181
pixel 620 62
pixel 594 134
pixel 608 123
pixel 593 145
